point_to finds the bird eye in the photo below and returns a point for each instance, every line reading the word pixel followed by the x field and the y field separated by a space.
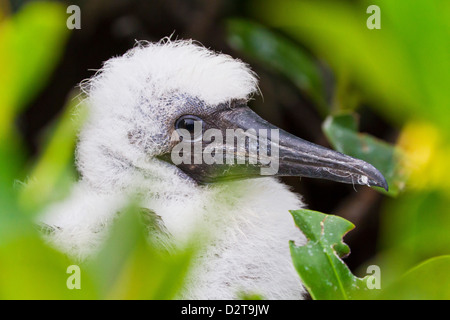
pixel 188 123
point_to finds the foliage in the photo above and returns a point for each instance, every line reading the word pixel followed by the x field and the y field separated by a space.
pixel 29 46
pixel 318 262
pixel 31 42
pixel 326 276
pixel 400 71
pixel 342 132
pixel 132 267
pixel 428 280
pixel 281 54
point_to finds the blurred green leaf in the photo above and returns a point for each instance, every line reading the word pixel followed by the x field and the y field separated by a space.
pixel 429 280
pixel 250 296
pixel 402 68
pixel 413 228
pixel 319 262
pixel 31 42
pixel 341 132
pixel 132 267
pixel 280 54
pixel 11 160
pixel 29 269
pixel 53 172
pixel 39 34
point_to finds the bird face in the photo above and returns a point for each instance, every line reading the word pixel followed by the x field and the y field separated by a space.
pixel 184 105
pixel 233 142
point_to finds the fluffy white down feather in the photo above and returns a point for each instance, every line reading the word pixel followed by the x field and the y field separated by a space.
pixel 133 102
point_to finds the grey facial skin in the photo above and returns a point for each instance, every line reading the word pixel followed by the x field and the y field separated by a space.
pixel 296 157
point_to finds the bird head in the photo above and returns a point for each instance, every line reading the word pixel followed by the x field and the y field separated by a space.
pixel 162 102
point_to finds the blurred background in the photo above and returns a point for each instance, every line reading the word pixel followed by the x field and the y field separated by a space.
pixel 382 95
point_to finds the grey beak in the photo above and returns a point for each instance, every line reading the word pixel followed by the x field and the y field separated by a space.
pixel 296 157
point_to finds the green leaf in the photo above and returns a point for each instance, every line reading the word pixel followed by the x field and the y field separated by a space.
pixel 250 296
pixel 413 228
pixel 31 43
pixel 429 280
pixel 341 132
pixel 30 269
pixel 280 54
pixel 402 67
pixel 130 266
pixel 319 262
pixel 53 172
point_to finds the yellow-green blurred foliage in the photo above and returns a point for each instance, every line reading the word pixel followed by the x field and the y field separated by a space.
pixel 129 265
pixel 402 71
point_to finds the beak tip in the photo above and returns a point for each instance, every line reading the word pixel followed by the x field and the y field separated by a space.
pixel 383 184
pixel 379 180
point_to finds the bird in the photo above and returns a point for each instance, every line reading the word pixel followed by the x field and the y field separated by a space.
pixel 136 104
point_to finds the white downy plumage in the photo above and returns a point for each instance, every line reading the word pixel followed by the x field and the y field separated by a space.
pixel 133 103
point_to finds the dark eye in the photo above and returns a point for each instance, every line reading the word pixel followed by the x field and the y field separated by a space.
pixel 192 124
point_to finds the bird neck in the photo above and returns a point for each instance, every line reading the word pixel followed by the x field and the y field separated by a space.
pixel 184 206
